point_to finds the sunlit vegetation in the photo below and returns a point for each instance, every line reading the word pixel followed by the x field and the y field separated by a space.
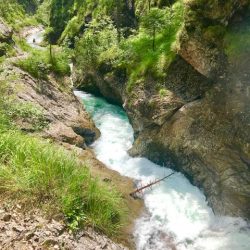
pixel 42 62
pixel 14 14
pixel 37 173
pixel 147 51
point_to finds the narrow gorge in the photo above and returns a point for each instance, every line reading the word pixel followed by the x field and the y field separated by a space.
pixel 101 97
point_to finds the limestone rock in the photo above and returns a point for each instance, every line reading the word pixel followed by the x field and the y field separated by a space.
pixel 22 233
pixel 5 32
pixel 64 117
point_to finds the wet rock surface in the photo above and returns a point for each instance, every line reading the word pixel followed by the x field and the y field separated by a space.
pixel 32 230
pixel 198 122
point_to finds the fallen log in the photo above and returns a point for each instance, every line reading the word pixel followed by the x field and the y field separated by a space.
pixel 139 190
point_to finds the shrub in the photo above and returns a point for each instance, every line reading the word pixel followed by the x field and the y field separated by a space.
pixel 14 14
pixel 141 60
pixel 97 45
pixel 28 112
pixel 40 63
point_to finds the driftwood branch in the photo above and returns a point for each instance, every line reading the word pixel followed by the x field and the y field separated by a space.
pixel 139 190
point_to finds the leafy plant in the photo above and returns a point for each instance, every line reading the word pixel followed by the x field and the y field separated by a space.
pixel 94 47
pixel 28 112
pixel 40 63
pixel 153 23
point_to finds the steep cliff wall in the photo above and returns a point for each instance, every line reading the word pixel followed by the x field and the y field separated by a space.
pixel 188 99
pixel 207 137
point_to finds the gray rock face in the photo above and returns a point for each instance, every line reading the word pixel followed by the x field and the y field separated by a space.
pixel 34 231
pixel 66 120
pixel 5 32
pixel 208 140
pixel 199 123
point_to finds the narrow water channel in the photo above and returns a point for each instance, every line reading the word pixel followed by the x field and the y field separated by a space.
pixel 177 216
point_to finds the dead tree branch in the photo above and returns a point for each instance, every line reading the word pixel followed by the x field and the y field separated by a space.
pixel 139 190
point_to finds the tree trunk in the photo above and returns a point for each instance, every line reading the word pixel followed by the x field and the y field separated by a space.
pixel 50 51
pixel 154 38
pixel 51 54
pixel 149 5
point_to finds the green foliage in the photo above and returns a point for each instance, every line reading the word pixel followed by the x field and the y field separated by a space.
pixel 29 5
pixel 49 35
pixel 153 22
pixel 69 18
pixel 101 49
pixel 22 44
pixel 142 61
pixel 28 112
pixel 40 63
pixel 6 49
pixel 43 12
pixel 37 173
pixel 13 13
pixel 99 44
pixel 61 13
pixel 40 172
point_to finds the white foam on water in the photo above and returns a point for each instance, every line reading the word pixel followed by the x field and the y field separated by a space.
pixel 178 216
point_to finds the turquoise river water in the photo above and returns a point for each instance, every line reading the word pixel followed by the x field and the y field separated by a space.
pixel 177 214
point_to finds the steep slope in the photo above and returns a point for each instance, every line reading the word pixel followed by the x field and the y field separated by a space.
pixel 186 101
pixel 39 102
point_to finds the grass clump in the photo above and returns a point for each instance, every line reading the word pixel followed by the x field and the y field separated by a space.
pixel 34 169
pixel 37 173
pixel 29 112
pixel 40 63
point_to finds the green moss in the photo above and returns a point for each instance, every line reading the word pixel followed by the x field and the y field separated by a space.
pixel 215 34
pixel 237 40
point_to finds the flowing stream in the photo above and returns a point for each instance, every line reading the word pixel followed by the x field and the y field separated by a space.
pixel 177 216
